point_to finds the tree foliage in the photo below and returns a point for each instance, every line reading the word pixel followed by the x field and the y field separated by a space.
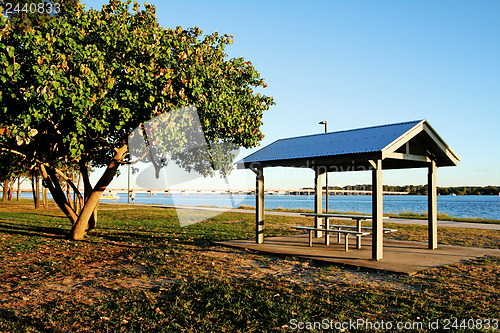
pixel 74 86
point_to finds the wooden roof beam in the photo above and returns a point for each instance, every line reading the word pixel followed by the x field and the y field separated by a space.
pixel 409 157
pixel 403 139
pixel 440 142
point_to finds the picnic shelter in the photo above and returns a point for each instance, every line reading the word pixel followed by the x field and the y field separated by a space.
pixel 412 144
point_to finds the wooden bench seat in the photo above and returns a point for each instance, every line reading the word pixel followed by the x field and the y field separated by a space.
pixel 386 230
pixel 339 226
pixel 339 231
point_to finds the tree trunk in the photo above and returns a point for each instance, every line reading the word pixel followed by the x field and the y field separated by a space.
pixel 93 219
pixel 18 188
pixel 78 202
pixel 82 224
pixel 51 181
pixel 35 189
pixel 5 194
pixel 44 197
pixel 11 189
pixel 87 191
pixel 68 196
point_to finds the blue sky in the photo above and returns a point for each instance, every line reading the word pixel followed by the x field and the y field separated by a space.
pixel 364 63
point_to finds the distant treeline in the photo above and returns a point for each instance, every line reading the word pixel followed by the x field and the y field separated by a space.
pixel 422 189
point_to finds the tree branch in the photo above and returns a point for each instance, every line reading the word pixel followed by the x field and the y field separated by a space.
pixel 53 185
pixel 79 229
pixel 87 190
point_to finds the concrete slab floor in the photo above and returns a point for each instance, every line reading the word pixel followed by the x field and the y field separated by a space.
pixel 399 256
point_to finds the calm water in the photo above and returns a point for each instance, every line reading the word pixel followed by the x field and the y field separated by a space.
pixel 466 206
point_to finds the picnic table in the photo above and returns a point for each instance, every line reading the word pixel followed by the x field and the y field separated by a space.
pixel 358 231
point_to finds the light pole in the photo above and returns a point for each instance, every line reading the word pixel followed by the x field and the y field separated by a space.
pixel 326 173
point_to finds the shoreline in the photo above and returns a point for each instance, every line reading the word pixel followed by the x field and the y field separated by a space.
pixel 403 215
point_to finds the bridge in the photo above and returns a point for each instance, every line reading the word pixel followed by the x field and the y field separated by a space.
pixel 240 191
pixel 252 192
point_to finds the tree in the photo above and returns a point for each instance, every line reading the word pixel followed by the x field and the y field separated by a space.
pixel 75 86
pixel 12 168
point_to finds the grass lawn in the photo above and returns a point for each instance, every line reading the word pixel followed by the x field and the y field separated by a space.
pixel 140 271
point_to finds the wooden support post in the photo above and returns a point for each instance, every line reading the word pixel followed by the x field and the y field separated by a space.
pixel 358 237
pixel 377 212
pixel 327 234
pixel 318 200
pixel 259 212
pixel 432 206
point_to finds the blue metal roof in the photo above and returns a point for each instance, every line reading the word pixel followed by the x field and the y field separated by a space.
pixel 355 141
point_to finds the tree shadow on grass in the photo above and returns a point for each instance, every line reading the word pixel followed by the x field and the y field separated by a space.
pixel 58 216
pixel 25 230
pixel 9 316
pixel 138 237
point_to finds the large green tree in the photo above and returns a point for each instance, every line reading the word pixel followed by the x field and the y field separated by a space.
pixel 11 168
pixel 75 86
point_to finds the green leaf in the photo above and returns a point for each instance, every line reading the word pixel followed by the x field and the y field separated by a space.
pixel 10 51
pixel 10 70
